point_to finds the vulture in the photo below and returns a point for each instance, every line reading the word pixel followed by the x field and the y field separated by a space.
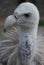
pixel 22 46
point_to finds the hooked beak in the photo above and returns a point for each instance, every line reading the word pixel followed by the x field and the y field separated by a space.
pixel 9 22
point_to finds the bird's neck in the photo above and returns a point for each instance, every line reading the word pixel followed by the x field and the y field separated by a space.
pixel 27 33
pixel 27 39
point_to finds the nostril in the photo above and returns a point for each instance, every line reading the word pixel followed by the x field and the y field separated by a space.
pixel 15 17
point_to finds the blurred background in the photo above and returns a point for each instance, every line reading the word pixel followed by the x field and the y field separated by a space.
pixel 7 7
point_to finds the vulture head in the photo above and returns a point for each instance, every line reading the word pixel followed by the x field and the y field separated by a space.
pixel 25 15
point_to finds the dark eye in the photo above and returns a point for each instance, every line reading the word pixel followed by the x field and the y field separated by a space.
pixel 26 15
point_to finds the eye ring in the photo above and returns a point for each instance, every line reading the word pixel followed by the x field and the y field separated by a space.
pixel 26 15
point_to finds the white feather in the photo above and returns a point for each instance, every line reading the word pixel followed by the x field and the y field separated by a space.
pixel 7 47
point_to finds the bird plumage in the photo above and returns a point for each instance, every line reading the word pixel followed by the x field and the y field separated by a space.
pixel 25 18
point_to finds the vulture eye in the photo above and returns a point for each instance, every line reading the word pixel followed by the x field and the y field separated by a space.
pixel 26 15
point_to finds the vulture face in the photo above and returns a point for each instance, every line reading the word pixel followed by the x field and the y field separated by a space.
pixel 24 19
pixel 26 14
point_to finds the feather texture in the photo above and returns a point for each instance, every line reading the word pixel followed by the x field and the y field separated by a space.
pixel 7 47
pixel 9 51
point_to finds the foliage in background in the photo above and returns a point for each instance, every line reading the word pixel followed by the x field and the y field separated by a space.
pixel 41 23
